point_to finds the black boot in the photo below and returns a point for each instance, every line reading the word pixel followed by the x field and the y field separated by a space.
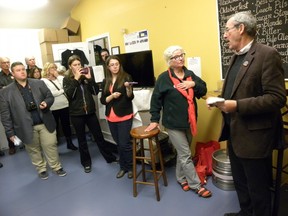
pixel 70 145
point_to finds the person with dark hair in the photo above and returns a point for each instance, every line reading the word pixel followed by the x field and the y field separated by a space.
pixel 27 119
pixel 254 92
pixel 35 73
pixel 104 53
pixel 117 96
pixel 174 96
pixel 6 78
pixel 79 86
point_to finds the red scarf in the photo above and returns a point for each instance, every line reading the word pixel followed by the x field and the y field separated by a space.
pixel 189 95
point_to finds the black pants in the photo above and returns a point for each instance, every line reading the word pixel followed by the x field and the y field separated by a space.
pixel 79 123
pixel 120 132
pixel 63 116
pixel 252 179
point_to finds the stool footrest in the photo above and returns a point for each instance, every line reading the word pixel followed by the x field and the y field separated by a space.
pixel 159 174
pixel 143 158
pixel 139 154
pixel 145 183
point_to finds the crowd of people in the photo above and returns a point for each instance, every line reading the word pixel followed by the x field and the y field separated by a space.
pixel 32 103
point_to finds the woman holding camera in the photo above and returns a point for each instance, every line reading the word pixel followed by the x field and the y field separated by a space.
pixel 79 87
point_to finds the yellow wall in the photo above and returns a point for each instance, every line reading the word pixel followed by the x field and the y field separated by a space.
pixel 191 24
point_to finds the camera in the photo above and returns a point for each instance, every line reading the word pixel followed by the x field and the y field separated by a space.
pixel 31 106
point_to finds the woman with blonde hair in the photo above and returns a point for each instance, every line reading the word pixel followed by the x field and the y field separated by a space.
pixel 60 107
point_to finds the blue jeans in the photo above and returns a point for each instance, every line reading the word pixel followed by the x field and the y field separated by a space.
pixel 120 132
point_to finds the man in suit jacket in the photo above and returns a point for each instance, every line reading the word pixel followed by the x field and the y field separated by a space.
pixel 25 114
pixel 254 93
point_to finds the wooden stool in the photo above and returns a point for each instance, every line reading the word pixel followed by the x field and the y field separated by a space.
pixel 139 134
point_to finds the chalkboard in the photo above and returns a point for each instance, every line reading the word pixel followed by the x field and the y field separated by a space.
pixel 272 25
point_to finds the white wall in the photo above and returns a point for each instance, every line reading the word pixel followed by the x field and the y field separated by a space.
pixel 16 44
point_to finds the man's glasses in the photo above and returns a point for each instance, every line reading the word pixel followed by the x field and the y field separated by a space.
pixel 178 57
pixel 226 30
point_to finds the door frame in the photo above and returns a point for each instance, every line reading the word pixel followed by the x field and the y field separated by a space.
pixel 91 42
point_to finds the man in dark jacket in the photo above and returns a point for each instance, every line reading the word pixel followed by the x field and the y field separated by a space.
pixel 254 93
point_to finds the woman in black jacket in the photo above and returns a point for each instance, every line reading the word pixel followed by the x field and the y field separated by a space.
pixel 79 87
pixel 174 96
pixel 117 95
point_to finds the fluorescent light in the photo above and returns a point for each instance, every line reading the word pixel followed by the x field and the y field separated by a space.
pixel 20 5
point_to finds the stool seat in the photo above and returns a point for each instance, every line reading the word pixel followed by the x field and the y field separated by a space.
pixel 138 135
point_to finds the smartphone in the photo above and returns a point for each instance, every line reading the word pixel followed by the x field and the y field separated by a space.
pixel 133 83
pixel 84 70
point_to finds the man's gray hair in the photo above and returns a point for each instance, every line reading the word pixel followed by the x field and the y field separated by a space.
pixel 248 20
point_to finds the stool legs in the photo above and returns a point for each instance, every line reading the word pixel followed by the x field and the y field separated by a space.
pixel 153 165
pixel 142 154
pixel 134 143
pixel 155 173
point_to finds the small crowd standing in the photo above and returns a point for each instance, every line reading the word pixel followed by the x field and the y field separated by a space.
pixel 254 92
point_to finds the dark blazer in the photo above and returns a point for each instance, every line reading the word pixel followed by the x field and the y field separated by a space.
pixel 123 105
pixel 259 90
pixel 14 115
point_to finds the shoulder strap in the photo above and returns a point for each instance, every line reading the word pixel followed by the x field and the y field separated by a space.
pixel 58 88
pixel 54 85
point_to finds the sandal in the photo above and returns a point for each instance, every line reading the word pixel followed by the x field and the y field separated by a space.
pixel 184 185
pixel 203 192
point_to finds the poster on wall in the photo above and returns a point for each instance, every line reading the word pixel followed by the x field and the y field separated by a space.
pixel 136 41
pixel 194 64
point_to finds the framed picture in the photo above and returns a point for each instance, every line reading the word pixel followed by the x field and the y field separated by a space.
pixel 115 50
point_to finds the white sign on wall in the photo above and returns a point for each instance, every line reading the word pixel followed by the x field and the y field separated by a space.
pixel 194 64
pixel 136 41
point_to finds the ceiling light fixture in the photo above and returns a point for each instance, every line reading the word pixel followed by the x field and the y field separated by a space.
pixel 21 5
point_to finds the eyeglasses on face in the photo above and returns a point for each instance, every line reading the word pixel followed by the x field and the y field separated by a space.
pixel 178 57
pixel 226 30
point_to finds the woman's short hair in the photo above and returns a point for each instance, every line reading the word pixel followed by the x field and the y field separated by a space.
pixel 46 68
pixel 168 53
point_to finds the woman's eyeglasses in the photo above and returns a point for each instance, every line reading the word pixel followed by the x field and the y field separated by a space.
pixel 178 57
